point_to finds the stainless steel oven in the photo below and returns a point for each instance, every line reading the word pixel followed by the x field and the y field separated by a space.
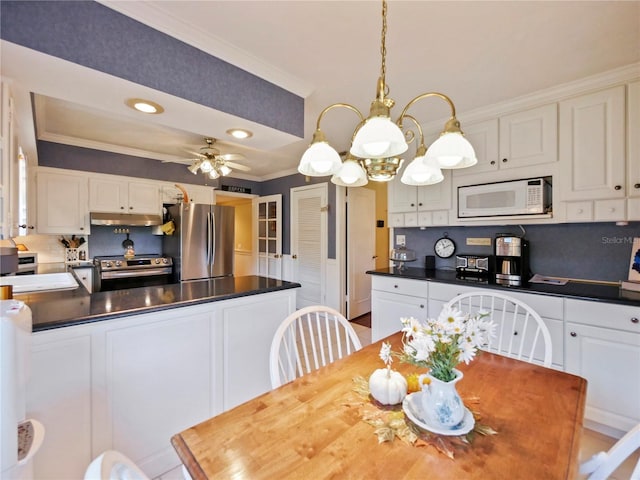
pixel 116 273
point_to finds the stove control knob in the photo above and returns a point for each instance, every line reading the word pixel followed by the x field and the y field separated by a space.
pixel 107 264
pixel 118 263
pixel 165 260
pixel 157 260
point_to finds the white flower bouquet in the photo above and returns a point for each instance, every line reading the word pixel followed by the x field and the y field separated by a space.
pixel 440 344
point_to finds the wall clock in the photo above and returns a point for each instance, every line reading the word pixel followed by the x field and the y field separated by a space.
pixel 444 247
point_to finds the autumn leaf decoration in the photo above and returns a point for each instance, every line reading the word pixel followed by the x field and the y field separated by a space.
pixel 390 422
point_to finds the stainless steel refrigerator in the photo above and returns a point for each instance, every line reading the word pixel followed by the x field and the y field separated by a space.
pixel 203 240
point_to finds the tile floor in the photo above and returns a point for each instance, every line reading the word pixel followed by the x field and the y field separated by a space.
pixel 591 442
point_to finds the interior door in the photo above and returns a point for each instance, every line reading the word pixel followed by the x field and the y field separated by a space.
pixel 268 225
pixel 309 242
pixel 361 249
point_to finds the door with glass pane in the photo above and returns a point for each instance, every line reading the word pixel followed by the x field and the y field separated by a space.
pixel 268 220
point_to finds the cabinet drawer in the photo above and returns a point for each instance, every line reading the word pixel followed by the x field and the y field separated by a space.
pixel 445 292
pixel 619 317
pixel 403 286
pixel 609 210
pixel 579 211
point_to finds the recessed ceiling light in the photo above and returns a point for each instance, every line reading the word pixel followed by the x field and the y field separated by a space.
pixel 144 106
pixel 239 133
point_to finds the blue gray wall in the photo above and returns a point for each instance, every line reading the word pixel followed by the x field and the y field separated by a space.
pixel 597 251
pixel 90 34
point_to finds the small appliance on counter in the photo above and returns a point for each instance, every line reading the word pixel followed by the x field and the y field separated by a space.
pixel 400 255
pixel 474 265
pixel 512 260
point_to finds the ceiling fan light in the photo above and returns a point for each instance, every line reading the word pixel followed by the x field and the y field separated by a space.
pixel 213 174
pixel 351 174
pixel 224 170
pixel 452 151
pixel 193 168
pixel 206 166
pixel 379 137
pixel 319 160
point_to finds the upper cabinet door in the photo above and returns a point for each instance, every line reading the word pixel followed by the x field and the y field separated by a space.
pixel 633 139
pixel 62 203
pixel 401 197
pixel 592 145
pixel 483 136
pixel 144 197
pixel 107 195
pixel 529 137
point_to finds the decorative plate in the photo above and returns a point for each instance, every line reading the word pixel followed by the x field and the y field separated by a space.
pixel 412 406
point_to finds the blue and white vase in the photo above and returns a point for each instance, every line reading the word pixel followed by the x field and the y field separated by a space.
pixel 441 405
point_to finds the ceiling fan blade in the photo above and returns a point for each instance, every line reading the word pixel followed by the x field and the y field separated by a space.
pixel 191 152
pixel 181 160
pixel 237 166
pixel 232 156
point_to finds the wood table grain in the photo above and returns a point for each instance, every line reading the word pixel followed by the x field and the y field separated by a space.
pixel 306 430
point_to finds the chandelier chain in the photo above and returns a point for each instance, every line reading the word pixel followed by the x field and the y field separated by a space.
pixel 383 46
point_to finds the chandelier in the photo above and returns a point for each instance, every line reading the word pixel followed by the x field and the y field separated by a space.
pixel 378 143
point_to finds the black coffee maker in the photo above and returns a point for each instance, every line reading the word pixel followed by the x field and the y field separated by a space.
pixel 512 260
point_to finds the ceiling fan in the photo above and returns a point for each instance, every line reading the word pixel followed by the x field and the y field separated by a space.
pixel 210 161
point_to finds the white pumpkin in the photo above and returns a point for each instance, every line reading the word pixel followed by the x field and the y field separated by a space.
pixel 387 386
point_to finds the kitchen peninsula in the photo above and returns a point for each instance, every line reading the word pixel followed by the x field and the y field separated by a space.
pixel 126 369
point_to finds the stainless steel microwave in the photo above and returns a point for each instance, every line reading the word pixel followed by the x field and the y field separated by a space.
pixel 531 196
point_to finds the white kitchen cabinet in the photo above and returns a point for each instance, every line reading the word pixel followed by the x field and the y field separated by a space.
pixel 393 298
pixel 59 396
pixel 411 206
pixel 633 151
pixel 249 326
pixel 519 139
pixel 111 194
pixel 85 275
pixel 197 194
pixel 62 202
pixel 603 346
pixel 592 146
pixel 158 379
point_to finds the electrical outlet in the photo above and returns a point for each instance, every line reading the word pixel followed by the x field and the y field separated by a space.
pixel 486 242
pixel 400 240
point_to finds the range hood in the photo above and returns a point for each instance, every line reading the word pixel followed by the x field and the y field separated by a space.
pixel 126 219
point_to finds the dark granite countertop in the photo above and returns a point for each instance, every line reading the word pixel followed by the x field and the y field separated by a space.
pixel 63 308
pixel 577 290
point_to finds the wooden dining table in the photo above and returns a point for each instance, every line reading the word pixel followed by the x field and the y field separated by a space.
pixel 309 428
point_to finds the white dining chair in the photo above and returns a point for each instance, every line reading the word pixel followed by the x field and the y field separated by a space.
pixel 112 465
pixel 308 339
pixel 603 464
pixel 521 333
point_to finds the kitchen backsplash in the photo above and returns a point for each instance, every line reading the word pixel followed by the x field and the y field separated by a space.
pixel 102 241
pixel 595 251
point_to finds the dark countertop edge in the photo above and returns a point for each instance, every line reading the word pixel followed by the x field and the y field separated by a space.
pixel 598 292
pixel 138 311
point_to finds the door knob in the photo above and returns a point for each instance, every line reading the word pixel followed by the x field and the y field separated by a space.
pixel 374 257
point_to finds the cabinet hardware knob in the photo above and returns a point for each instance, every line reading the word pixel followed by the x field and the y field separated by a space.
pixel 130 208
pixel 580 210
pixel 492 162
pixel 634 320
pixel 420 204
pixel 413 204
pixel 636 185
pixel 515 332
pixel 573 334
pixel 30 227
pixel 81 228
pixel 294 256
pixel 395 286
pixel 121 208
pixel 374 257
pixel 504 160
pixel 421 306
pixel 618 187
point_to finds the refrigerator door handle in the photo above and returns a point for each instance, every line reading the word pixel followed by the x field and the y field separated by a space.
pixel 209 239
pixel 213 238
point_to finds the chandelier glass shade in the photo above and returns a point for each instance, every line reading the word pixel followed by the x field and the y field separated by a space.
pixel 378 143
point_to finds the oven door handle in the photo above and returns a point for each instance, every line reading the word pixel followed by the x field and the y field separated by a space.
pixel 137 273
